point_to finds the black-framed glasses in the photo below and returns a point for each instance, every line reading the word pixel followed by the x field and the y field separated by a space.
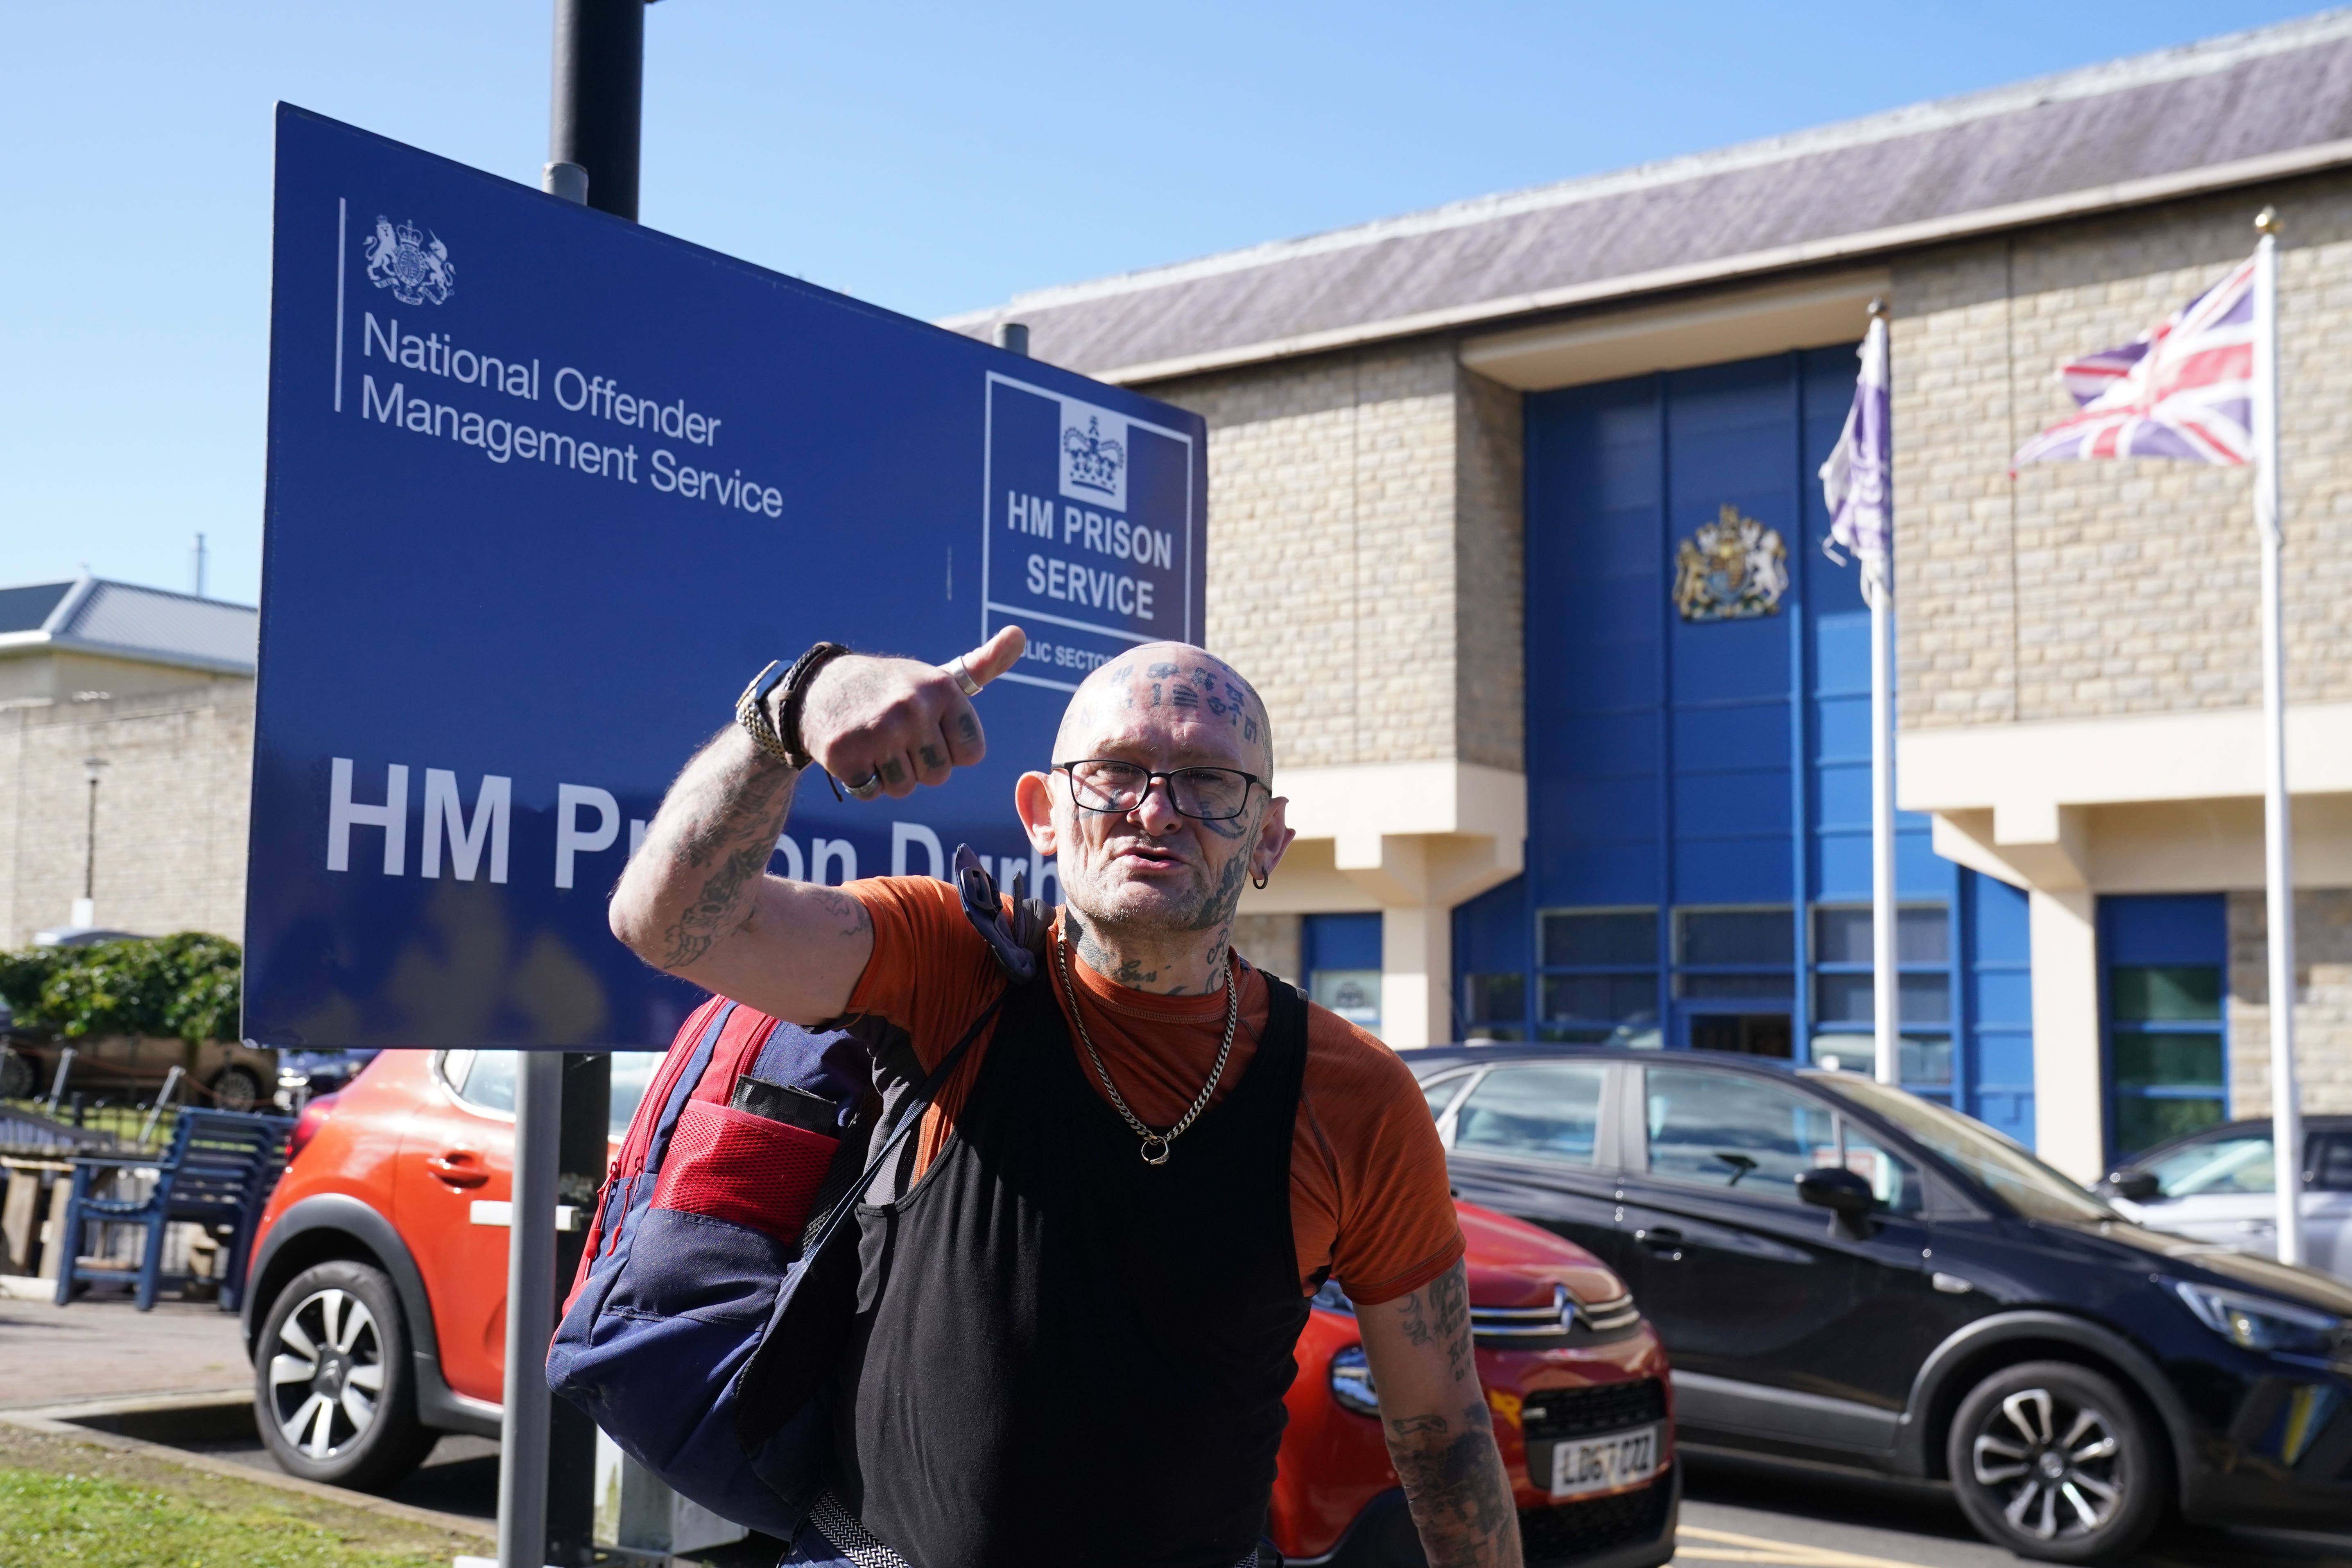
pixel 1205 794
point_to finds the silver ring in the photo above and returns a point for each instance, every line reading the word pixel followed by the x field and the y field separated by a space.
pixel 964 682
pixel 868 790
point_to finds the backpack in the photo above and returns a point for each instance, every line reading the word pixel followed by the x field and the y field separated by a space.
pixel 702 1250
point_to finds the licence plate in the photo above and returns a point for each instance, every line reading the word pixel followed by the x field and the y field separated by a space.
pixel 1581 1465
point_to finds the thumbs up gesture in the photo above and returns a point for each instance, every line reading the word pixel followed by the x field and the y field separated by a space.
pixel 882 726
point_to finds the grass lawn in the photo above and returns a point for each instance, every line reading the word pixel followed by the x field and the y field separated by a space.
pixel 68 1504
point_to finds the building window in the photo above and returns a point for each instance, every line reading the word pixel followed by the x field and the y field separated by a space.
pixel 1494 1007
pixel 1845 992
pixel 2168 1057
pixel 1599 980
pixel 2164 1044
pixel 1735 976
pixel 1341 955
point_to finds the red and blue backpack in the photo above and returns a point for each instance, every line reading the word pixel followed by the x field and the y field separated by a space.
pixel 718 1282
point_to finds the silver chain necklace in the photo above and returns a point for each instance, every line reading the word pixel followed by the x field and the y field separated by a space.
pixel 1199 1101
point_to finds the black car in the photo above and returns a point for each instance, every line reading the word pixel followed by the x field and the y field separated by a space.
pixel 1846 1273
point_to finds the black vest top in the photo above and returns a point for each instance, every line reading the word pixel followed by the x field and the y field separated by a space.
pixel 1061 1354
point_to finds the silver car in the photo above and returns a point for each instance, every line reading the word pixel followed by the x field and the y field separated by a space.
pixel 2218 1185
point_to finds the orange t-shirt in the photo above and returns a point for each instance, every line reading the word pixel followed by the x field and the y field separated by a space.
pixel 1369 1195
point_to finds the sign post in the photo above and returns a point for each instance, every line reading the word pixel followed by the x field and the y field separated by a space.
pixel 593 137
pixel 545 489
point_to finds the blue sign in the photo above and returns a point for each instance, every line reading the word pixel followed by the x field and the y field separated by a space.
pixel 546 490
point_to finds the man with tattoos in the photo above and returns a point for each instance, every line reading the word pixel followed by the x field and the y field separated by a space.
pixel 1081 1295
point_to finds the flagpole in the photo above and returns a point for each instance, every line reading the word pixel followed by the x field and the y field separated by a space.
pixel 2278 828
pixel 1878 587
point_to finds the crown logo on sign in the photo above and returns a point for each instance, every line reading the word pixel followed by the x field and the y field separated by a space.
pixel 411 235
pixel 1095 462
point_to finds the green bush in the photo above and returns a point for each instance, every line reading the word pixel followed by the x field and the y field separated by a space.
pixel 188 986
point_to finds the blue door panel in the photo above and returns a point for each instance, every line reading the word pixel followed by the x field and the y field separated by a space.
pixel 2005 1055
pixel 1603 874
pixel 1731 870
pixel 1731 733
pixel 1611 742
pixel 1842 797
pixel 1734 800
pixel 1596 806
pixel 1841 867
pixel 1998 920
pixel 1714 660
pixel 1919 871
pixel 2002 996
pixel 1841 728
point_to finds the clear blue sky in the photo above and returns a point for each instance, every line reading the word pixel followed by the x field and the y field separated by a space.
pixel 927 156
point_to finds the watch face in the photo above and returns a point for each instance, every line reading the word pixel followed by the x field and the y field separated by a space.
pixel 763 683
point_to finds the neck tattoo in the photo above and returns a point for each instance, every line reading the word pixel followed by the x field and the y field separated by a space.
pixel 1156 1145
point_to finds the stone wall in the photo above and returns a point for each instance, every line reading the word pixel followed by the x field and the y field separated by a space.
pixel 1271 943
pixel 172 805
pixel 2087 589
pixel 2323 1008
pixel 1364 552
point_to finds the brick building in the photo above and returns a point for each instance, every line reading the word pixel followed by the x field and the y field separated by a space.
pixel 1456 457
pixel 158 687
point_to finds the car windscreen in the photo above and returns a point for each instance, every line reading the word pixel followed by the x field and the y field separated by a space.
pixel 485 1079
pixel 2016 1177
pixel 2234 1163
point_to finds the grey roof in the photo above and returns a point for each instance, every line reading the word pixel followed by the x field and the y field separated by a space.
pixel 2255 105
pixel 122 620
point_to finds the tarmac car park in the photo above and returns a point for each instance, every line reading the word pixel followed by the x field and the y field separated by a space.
pixel 1847 1275
pixel 375 1321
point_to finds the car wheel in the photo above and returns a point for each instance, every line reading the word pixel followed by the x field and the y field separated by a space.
pixel 333 1390
pixel 235 1089
pixel 16 1077
pixel 2056 1462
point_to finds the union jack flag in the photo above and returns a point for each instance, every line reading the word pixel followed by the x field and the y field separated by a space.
pixel 2184 389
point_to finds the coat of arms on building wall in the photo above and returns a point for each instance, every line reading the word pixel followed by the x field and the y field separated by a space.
pixel 1733 569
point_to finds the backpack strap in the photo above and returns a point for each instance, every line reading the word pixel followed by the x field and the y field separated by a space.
pixel 683 1087
pixel 918 1103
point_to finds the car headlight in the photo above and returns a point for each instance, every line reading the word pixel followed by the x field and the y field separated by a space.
pixel 2261 1322
pixel 1351 1381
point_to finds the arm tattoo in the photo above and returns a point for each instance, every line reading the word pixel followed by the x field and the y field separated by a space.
pixel 1416 1322
pixel 734 842
pixel 849 912
pixel 1454 1481
pixel 1449 1302
pixel 1452 1471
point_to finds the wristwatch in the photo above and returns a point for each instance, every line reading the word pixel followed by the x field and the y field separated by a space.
pixel 781 737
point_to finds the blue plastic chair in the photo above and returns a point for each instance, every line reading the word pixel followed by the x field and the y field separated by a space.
pixel 218 1171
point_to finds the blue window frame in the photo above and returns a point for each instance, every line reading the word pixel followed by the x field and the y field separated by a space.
pixel 2164 993
pixel 1845 990
pixel 1597 975
pixel 1341 955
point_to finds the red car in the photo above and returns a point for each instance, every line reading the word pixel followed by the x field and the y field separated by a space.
pixel 377 1320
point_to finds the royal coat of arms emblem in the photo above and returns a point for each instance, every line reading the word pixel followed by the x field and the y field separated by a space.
pixel 416 269
pixel 1733 569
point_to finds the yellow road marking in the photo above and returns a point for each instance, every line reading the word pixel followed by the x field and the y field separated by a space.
pixel 1725 1546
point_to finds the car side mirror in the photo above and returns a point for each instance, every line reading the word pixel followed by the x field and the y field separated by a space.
pixel 1846 1195
pixel 2133 1185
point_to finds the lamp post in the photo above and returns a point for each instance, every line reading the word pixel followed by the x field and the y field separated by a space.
pixel 85 908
